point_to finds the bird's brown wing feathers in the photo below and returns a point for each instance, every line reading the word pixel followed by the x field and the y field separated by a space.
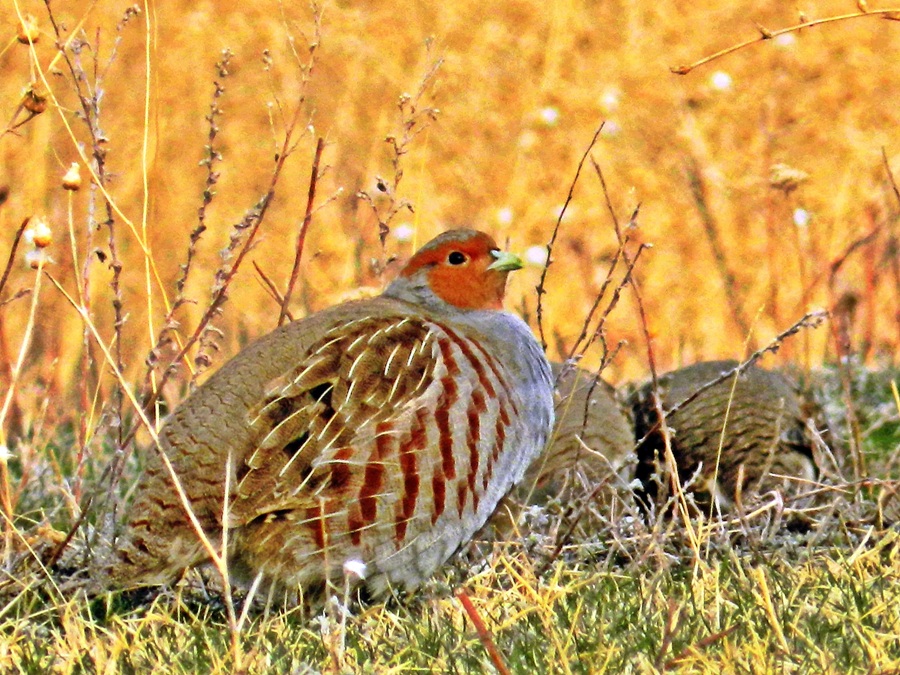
pixel 318 425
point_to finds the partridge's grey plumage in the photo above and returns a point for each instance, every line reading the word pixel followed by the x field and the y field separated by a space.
pixel 380 432
pixel 767 443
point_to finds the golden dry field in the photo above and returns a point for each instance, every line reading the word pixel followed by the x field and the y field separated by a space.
pixel 746 192
pixel 520 91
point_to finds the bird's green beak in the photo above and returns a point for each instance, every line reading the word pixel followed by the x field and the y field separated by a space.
pixel 505 261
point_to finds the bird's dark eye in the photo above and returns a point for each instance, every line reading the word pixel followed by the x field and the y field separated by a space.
pixel 456 258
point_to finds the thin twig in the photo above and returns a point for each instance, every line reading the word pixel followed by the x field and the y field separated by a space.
pixel 12 253
pixel 414 120
pixel 765 34
pixel 617 293
pixel 608 200
pixel 211 157
pixel 700 644
pixel 270 288
pixel 301 237
pixel 482 631
pixel 812 319
pixel 890 174
pixel 541 290
pixel 673 619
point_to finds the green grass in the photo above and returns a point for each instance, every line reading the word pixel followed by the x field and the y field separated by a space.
pixel 818 609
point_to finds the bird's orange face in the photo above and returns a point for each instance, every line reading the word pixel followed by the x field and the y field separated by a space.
pixel 469 273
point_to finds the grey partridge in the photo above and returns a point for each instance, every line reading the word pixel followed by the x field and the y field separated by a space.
pixel 767 443
pixel 590 442
pixel 380 432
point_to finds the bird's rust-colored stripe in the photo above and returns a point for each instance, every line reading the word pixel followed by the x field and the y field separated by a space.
pixel 340 478
pixel 438 491
pixel 445 441
pixel 477 366
pixel 499 440
pixel 461 492
pixel 473 436
pixel 503 415
pixel 446 469
pixel 502 396
pixel 315 518
pixel 442 413
pixel 410 470
pixel 498 374
pixel 479 361
pixel 374 473
pixel 340 470
pixel 477 357
pixel 488 473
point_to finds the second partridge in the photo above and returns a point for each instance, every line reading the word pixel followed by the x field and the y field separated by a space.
pixel 766 444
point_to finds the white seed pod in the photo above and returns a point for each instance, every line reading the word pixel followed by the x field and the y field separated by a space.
pixel 29 31
pixel 72 179
pixel 39 233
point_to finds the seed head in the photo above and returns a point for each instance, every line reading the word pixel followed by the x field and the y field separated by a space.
pixel 355 568
pixel 29 32
pixel 34 99
pixel 39 233
pixel 72 179
pixel 786 178
pixel 35 257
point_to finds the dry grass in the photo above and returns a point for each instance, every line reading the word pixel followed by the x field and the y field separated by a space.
pixel 763 184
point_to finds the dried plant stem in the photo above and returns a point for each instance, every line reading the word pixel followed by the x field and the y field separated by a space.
pixel 541 287
pixel 241 241
pixel 414 120
pixel 812 319
pixel 680 498
pixel 98 179
pixel 251 224
pixel 627 279
pixel 149 263
pixel 271 288
pixel 81 429
pixel 722 434
pixel 483 635
pixel 608 201
pixel 10 260
pixel 5 497
pixel 765 34
pixel 801 241
pixel 301 237
pixel 844 348
pixel 210 160
pixel 669 457
pixel 584 340
pixel 670 629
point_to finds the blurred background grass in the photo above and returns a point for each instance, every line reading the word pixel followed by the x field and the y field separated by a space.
pixel 522 88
